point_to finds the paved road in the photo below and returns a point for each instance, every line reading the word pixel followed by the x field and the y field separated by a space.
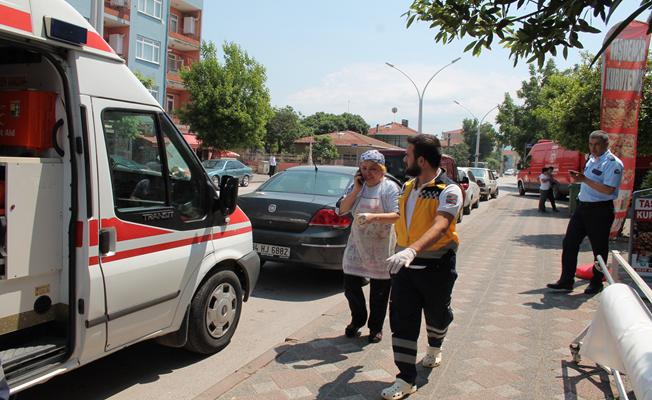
pixel 286 299
pixel 509 339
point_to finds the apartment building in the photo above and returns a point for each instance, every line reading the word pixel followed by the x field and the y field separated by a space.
pixel 155 37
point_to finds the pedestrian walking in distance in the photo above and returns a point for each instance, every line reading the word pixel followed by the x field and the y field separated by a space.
pixel 423 268
pixel 546 182
pixel 594 214
pixel 373 200
pixel 272 165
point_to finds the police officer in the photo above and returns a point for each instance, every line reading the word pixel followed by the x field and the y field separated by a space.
pixel 423 268
pixel 595 212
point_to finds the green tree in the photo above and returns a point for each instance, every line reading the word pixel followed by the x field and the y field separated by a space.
pixel 324 149
pixel 521 124
pixel 529 29
pixel 145 80
pixel 460 153
pixel 283 128
pixel 322 122
pixel 570 104
pixel 487 138
pixel 230 103
pixel 645 116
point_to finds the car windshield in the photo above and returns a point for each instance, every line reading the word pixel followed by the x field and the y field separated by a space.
pixel 308 182
pixel 214 164
pixel 479 172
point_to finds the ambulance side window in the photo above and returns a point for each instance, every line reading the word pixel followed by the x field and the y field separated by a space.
pixel 187 185
pixel 134 160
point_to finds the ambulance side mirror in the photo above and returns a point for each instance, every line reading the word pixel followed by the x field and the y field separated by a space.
pixel 228 195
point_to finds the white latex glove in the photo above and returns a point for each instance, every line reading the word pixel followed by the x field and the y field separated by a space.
pixel 363 218
pixel 401 259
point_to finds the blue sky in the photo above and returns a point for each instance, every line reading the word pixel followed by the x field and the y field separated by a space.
pixel 330 56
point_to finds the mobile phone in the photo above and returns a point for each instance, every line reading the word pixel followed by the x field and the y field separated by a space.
pixel 359 176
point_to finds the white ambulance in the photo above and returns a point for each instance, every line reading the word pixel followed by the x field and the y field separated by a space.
pixel 111 231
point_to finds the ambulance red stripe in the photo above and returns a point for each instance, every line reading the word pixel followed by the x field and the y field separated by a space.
pixel 166 246
pixel 97 42
pixel 15 18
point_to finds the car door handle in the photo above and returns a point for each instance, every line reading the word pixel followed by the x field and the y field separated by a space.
pixel 107 239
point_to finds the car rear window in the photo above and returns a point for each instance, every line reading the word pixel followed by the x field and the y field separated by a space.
pixel 479 172
pixel 308 182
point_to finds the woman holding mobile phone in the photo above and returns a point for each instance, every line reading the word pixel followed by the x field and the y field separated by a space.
pixel 373 200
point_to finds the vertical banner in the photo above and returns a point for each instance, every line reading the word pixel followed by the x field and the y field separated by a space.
pixel 623 69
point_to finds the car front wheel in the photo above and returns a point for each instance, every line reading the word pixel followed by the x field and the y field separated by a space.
pixel 521 189
pixel 245 181
pixel 214 313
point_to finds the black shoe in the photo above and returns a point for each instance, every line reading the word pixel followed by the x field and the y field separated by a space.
pixel 543 211
pixel 561 286
pixel 555 210
pixel 352 331
pixel 375 337
pixel 593 289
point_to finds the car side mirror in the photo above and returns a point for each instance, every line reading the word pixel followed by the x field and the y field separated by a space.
pixel 228 195
pixel 465 179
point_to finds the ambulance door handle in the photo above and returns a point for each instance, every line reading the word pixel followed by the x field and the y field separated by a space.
pixel 107 241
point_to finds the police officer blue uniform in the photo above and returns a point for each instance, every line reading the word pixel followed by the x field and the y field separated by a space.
pixel 593 218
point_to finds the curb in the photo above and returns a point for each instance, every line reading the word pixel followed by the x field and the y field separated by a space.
pixel 239 375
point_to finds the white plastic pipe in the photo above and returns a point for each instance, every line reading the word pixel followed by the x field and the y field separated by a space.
pixel 620 337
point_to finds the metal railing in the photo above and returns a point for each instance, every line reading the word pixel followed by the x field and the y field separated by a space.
pixel 642 286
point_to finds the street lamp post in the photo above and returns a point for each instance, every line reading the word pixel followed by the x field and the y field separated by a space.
pixel 477 135
pixel 421 93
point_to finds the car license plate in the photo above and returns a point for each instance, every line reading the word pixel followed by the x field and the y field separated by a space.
pixel 272 251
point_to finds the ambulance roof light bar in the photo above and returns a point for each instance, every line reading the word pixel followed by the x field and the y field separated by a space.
pixel 64 31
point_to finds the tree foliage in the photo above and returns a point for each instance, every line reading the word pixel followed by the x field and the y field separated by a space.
pixel 145 80
pixel 322 122
pixel 230 103
pixel 487 138
pixel 323 148
pixel 283 128
pixel 530 30
pixel 460 153
pixel 523 124
pixel 565 106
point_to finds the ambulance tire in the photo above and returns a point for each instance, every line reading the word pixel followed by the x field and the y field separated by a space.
pixel 214 313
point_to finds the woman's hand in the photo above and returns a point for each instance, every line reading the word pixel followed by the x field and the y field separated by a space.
pixel 364 218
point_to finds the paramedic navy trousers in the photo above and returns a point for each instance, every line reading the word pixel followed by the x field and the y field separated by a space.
pixel 593 220
pixel 414 291
pixel 378 296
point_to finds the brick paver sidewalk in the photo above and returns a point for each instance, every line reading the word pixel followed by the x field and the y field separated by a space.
pixel 509 339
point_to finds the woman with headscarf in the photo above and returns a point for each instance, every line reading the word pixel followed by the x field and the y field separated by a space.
pixel 373 201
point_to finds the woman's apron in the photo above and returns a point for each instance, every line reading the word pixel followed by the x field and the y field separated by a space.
pixel 369 245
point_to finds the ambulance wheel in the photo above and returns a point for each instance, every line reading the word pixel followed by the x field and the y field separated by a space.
pixel 521 189
pixel 214 313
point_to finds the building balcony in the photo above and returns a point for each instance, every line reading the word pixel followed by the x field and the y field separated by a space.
pixel 186 5
pixel 116 13
pixel 183 42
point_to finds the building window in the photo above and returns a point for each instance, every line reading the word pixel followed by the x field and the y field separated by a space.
pixel 174 23
pixel 175 62
pixel 153 8
pixel 148 49
pixel 169 104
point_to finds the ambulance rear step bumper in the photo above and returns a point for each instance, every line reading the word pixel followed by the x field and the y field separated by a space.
pixel 19 360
